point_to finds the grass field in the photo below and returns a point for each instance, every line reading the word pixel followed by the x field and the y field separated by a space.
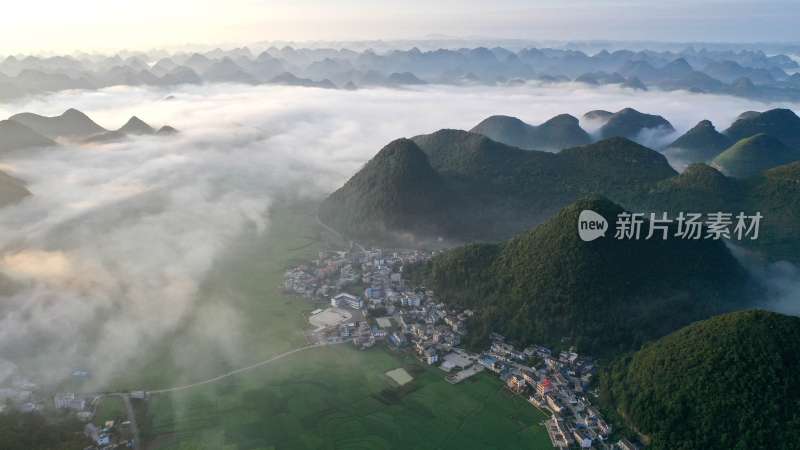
pixel 109 408
pixel 326 398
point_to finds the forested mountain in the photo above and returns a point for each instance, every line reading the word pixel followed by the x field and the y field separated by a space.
pixel 782 124
pixel 630 123
pixel 494 190
pixel 397 191
pixel 702 143
pixel 490 190
pixel 548 286
pixel 729 382
pixel 753 155
pixel 559 132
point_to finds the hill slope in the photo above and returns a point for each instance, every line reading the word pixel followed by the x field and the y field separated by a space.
pixel 71 124
pixel 492 190
pixel 16 136
pixel 729 382
pixel 12 190
pixel 782 124
pixel 136 126
pixel 753 155
pixel 562 131
pixel 700 144
pixel 630 123
pixel 604 296
pixel 397 191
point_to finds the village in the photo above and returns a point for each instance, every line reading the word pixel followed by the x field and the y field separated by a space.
pixel 18 392
pixel 365 299
pixel 362 297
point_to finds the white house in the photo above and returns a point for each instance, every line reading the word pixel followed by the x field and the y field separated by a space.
pixel 346 300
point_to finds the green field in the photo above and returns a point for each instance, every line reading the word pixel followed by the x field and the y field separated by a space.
pixel 327 398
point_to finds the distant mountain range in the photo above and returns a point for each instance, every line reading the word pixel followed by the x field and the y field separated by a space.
pixel 28 131
pixel 34 130
pixel 460 186
pixel 704 143
pixel 747 73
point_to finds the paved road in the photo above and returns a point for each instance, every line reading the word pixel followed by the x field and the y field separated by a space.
pixel 238 371
pixel 126 399
pixel 132 415
pixel 132 418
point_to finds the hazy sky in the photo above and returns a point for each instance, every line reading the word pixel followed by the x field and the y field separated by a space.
pixel 59 25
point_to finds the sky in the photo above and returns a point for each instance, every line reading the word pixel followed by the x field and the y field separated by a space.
pixel 58 26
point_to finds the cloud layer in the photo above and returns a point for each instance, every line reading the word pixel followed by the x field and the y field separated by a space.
pixel 118 238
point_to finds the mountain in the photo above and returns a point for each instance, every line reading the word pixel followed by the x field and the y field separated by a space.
pixel 166 130
pixel 562 131
pixel 598 115
pixel 677 68
pixel 629 123
pixel 493 190
pixel 227 71
pixel 133 127
pixel 753 155
pixel 397 191
pixel 290 79
pixel 16 136
pixel 405 78
pixel 634 83
pixel 71 124
pixel 548 286
pixel 136 126
pixel 700 144
pixel 782 124
pixel 180 75
pixel 12 190
pixel 698 188
pixel 776 194
pixel 729 382
pixel 601 78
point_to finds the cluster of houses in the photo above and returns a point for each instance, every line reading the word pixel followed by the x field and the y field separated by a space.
pixel 18 392
pixel 556 383
pixel 112 435
pixel 369 283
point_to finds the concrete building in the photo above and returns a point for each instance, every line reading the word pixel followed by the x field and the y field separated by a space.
pixel 345 300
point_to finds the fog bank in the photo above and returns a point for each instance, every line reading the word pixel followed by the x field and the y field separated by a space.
pixel 118 238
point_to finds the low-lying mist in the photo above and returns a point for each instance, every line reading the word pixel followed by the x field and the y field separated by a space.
pixel 118 238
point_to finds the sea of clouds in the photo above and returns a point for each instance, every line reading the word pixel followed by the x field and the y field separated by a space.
pixel 118 238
